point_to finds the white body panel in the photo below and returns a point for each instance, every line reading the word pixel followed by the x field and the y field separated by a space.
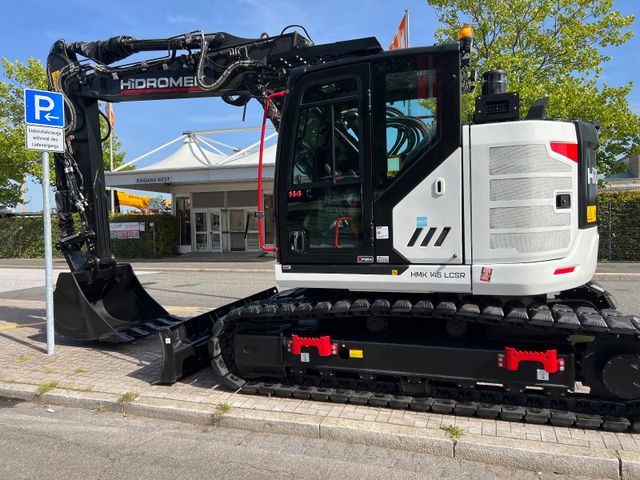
pixel 501 186
pixel 436 203
pixel 415 279
pixel 536 278
pixel 516 178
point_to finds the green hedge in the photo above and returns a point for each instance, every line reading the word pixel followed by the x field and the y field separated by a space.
pixel 161 230
pixel 619 226
pixel 21 237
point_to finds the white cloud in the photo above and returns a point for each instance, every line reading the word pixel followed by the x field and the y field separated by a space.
pixel 180 18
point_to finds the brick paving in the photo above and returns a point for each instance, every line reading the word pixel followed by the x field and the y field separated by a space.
pixel 117 369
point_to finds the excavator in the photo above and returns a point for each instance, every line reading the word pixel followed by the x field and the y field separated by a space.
pixel 422 263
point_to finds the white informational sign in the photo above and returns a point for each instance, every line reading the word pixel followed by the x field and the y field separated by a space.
pixel 125 230
pixel 44 139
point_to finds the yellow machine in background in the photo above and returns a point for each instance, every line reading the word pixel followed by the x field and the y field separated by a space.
pixel 145 203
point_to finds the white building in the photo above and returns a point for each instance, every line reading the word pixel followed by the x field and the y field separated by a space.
pixel 214 194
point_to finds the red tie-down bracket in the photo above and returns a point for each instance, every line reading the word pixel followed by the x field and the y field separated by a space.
pixel 322 344
pixel 512 357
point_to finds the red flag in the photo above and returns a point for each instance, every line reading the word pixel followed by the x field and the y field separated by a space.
pixel 109 112
pixel 401 38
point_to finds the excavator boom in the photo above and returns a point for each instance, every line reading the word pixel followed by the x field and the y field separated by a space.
pixel 100 299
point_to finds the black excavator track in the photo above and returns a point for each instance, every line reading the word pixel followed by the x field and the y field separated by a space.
pixel 598 337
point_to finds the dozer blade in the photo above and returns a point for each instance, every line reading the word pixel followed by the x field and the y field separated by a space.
pixel 109 307
pixel 185 345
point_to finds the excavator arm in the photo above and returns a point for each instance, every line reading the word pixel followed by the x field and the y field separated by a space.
pixel 192 65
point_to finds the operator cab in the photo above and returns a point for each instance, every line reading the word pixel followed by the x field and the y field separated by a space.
pixel 356 138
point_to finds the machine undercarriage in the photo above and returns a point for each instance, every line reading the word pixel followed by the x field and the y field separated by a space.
pixel 494 358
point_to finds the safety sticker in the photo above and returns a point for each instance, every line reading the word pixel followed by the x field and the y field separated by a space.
pixel 485 274
pixel 365 259
pixel 394 272
pixel 304 357
pixel 421 222
pixel 382 259
pixel 542 375
pixel 592 213
pixel 382 232
pixel 356 353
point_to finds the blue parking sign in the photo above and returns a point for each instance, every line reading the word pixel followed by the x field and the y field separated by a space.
pixel 43 108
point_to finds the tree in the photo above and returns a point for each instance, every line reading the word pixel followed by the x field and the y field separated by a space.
pixel 15 160
pixel 553 48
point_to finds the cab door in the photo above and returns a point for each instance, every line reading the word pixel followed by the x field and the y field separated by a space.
pixel 324 189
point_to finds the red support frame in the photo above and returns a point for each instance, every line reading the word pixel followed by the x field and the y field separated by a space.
pixel 549 359
pixel 263 246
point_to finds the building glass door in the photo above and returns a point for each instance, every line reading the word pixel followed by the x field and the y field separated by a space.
pixel 215 230
pixel 201 231
pixel 207 230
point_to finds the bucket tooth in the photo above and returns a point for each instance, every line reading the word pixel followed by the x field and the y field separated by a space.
pixel 153 326
pixel 141 332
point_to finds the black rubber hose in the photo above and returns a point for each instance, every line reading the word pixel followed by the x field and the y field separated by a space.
pixel 108 126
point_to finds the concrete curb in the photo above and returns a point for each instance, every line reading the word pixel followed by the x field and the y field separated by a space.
pixel 522 454
pixel 616 277
pixel 538 456
pixel 205 269
pixel 163 269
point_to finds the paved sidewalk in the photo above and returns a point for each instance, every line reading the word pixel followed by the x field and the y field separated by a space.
pixel 110 371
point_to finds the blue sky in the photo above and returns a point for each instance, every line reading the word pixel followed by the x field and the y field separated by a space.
pixel 29 27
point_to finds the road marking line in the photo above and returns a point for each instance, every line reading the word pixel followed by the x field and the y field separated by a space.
pixel 16 325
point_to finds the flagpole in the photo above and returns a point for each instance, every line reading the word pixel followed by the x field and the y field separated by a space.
pixel 113 205
pixel 407 33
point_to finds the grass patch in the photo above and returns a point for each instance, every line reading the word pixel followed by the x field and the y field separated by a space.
pixel 220 410
pixel 76 389
pixel 46 386
pixel 101 408
pixel 24 358
pixel 79 370
pixel 454 431
pixel 127 397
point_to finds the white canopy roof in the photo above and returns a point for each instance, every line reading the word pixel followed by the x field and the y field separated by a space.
pixel 194 163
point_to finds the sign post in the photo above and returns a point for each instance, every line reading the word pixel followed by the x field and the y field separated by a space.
pixel 44 132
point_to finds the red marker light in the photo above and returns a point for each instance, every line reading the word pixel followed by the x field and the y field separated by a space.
pixel 560 271
pixel 569 150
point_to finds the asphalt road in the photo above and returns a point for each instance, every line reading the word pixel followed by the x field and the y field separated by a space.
pixel 71 444
pixel 213 289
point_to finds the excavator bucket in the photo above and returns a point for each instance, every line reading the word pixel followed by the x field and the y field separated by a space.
pixel 185 345
pixel 110 307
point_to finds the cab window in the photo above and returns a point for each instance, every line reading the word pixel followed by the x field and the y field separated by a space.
pixel 410 87
pixel 327 143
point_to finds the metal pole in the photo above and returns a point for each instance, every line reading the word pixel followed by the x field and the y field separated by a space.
pixel 610 233
pixel 407 34
pixel 113 203
pixel 48 254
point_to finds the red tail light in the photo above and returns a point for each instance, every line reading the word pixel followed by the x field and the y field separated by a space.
pixel 569 150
